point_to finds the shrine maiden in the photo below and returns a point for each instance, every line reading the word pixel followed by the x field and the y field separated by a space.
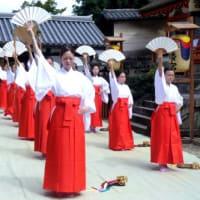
pixel 65 169
pixel 120 132
pixel 166 147
pixel 3 87
pixel 101 94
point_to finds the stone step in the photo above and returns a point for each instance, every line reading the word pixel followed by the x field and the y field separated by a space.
pixel 143 110
pixel 139 128
pixel 149 104
pixel 141 119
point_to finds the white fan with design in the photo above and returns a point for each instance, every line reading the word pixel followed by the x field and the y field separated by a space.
pixel 9 47
pixel 2 53
pixel 30 14
pixel 162 43
pixel 78 61
pixel 85 49
pixel 111 54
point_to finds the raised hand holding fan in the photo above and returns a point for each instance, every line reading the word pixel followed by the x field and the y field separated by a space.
pixel 23 35
pixel 165 43
pixel 112 57
pixel 111 54
pixel 9 47
pixel 78 61
pixel 34 15
pixel 85 49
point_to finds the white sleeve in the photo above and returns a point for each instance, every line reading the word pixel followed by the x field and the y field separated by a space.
pixel 32 74
pixel 106 89
pixel 46 77
pixel 160 87
pixel 21 77
pixel 179 98
pixel 179 101
pixel 0 73
pixel 114 88
pixel 87 100
pixel 130 101
pixel 88 95
pixel 88 73
pixel 10 76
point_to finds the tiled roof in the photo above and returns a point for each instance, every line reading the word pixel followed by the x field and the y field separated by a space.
pixel 59 31
pixel 121 14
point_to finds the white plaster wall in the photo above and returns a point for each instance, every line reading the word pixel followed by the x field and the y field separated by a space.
pixel 138 33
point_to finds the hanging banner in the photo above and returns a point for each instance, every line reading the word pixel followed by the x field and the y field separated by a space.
pixel 180 59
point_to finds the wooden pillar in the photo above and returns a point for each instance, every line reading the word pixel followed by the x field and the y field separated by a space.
pixel 191 108
pixel 121 43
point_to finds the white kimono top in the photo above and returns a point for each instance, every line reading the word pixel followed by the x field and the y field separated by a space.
pixel 63 84
pixel 3 74
pixel 10 76
pixel 166 93
pixel 32 74
pixel 24 78
pixel 120 91
pixel 21 77
pixel 101 82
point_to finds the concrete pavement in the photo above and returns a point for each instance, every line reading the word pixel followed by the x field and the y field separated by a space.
pixel 21 171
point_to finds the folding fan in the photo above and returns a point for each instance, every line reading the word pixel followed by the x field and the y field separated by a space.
pixel 162 43
pixel 84 49
pixel 2 53
pixel 10 48
pixel 23 35
pixel 78 61
pixel 111 54
pixel 30 14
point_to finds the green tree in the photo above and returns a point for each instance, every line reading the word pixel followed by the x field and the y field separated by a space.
pixel 48 5
pixel 95 7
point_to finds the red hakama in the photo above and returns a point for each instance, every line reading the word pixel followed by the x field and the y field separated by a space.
pixel 19 94
pixel 10 99
pixel 3 94
pixel 43 112
pixel 96 119
pixel 65 162
pixel 166 147
pixel 120 132
pixel 27 124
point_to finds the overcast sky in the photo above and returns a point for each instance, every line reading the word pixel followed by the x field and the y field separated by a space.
pixel 9 5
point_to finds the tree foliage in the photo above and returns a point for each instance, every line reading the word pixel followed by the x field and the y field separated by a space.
pixel 48 5
pixel 95 7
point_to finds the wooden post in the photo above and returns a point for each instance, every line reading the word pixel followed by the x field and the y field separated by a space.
pixel 121 43
pixel 191 108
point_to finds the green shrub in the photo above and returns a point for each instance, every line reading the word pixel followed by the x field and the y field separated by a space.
pixel 142 85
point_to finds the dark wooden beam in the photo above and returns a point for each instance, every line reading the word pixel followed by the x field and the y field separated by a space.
pixel 191 108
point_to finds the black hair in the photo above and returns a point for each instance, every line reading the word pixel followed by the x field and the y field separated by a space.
pixel 95 64
pixel 119 72
pixel 66 49
pixel 168 67
pixel 50 57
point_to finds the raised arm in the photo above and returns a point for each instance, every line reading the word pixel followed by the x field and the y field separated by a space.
pixel 113 82
pixel 160 53
pixel 35 44
pixel 30 52
pixel 111 66
pixel 7 61
pixel 86 67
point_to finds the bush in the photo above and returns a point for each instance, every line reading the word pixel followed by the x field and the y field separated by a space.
pixel 142 85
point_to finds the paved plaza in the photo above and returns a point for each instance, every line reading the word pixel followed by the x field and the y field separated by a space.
pixel 21 171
